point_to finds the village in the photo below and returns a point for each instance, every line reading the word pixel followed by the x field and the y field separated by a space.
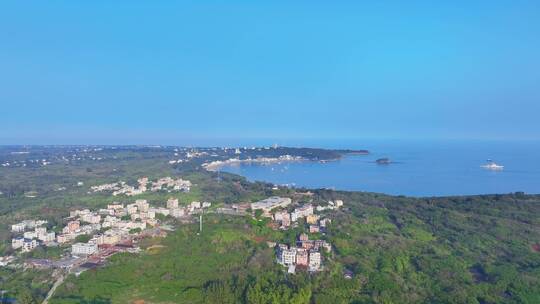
pixel 95 235
pixel 117 228
pixel 107 230
pixel 306 253
pixel 165 183
pixel 86 238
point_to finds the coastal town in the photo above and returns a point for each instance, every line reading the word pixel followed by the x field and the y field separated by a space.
pixel 95 235
pixel 166 183
pixel 184 232
pixel 134 215
pixel 216 165
pixel 276 152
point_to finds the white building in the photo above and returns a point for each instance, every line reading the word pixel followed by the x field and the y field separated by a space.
pixel 120 212
pixel 177 212
pixel 106 211
pixel 110 221
pixel 163 211
pixel 172 203
pixel 47 237
pixel 281 216
pixel 131 208
pixel 111 239
pixel 321 208
pixel 115 206
pixel 142 205
pixel 30 234
pixel 64 238
pixel 97 239
pixel 27 224
pixel 84 248
pixel 270 203
pixel 314 261
pixel 76 213
pixel 288 256
pixel 147 215
pixel 91 218
pixel 17 243
pixel 301 212
pixel 40 230
pixel 19 227
pixel 29 245
pixel 128 225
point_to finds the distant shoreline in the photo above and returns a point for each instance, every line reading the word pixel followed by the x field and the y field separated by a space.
pixel 216 165
pixel 287 158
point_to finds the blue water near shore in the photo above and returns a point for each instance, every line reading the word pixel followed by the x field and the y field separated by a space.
pixel 434 168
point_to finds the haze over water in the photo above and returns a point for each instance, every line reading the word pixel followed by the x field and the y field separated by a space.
pixel 435 168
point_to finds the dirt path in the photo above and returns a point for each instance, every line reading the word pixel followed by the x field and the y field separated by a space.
pixel 58 282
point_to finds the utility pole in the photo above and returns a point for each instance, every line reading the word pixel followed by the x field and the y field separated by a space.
pixel 200 223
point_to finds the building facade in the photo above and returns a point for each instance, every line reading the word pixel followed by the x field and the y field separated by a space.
pixel 84 248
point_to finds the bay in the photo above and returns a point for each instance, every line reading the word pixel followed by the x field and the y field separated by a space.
pixel 418 168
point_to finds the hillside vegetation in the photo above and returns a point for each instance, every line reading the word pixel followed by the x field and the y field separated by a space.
pixel 473 249
pixel 401 250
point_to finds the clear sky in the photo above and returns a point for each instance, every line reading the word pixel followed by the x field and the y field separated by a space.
pixel 172 72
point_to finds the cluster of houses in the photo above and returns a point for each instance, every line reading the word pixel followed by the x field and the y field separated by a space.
pixel 174 210
pixel 6 260
pixel 194 153
pixel 306 254
pixel 33 235
pixel 332 205
pixel 106 226
pixel 165 183
pixel 24 163
pixel 75 155
pixel 285 219
pixel 271 203
pixel 170 184
pixel 121 221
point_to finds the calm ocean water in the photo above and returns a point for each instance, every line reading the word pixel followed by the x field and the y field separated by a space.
pixel 420 168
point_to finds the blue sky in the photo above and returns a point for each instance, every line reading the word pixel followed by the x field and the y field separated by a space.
pixel 176 72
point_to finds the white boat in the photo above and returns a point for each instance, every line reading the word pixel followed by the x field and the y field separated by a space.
pixel 491 165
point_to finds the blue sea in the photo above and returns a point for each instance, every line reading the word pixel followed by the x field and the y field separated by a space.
pixel 419 168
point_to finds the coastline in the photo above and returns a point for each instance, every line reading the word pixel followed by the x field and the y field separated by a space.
pixel 287 158
pixel 416 170
pixel 216 165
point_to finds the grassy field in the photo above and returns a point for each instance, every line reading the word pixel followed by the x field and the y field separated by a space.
pixel 176 271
